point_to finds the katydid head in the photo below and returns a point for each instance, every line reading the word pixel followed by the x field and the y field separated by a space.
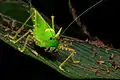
pixel 52 38
pixel 51 41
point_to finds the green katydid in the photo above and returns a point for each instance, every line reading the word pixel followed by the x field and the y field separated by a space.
pixel 44 36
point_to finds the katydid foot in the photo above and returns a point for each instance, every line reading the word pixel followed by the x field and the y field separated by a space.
pixel 12 37
pixel 76 61
pixel 13 41
pixel 21 50
pixel 61 68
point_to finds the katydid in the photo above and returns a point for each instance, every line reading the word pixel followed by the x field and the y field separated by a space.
pixel 44 36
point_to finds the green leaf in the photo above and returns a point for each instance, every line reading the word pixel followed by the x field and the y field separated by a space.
pixel 86 53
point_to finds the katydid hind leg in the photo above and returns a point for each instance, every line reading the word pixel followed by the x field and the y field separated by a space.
pixel 26 41
pixel 19 30
pixel 15 41
pixel 28 36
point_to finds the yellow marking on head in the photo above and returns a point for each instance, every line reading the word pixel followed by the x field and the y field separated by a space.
pixel 49 29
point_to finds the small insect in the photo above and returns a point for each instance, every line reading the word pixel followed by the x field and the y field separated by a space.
pixel 100 62
pixel 44 35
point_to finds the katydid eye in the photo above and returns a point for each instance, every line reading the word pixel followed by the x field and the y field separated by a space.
pixel 51 38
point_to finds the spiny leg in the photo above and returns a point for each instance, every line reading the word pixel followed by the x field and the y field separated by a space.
pixel 29 31
pixel 60 67
pixel 64 45
pixel 72 52
pixel 26 41
pixel 19 30
pixel 73 59
pixel 15 41
pixel 49 49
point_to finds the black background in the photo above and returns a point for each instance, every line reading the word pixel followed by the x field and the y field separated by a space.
pixel 102 21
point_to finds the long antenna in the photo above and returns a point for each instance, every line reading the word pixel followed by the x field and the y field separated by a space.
pixel 82 14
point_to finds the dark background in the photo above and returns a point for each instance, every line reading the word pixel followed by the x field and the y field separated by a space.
pixel 102 21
